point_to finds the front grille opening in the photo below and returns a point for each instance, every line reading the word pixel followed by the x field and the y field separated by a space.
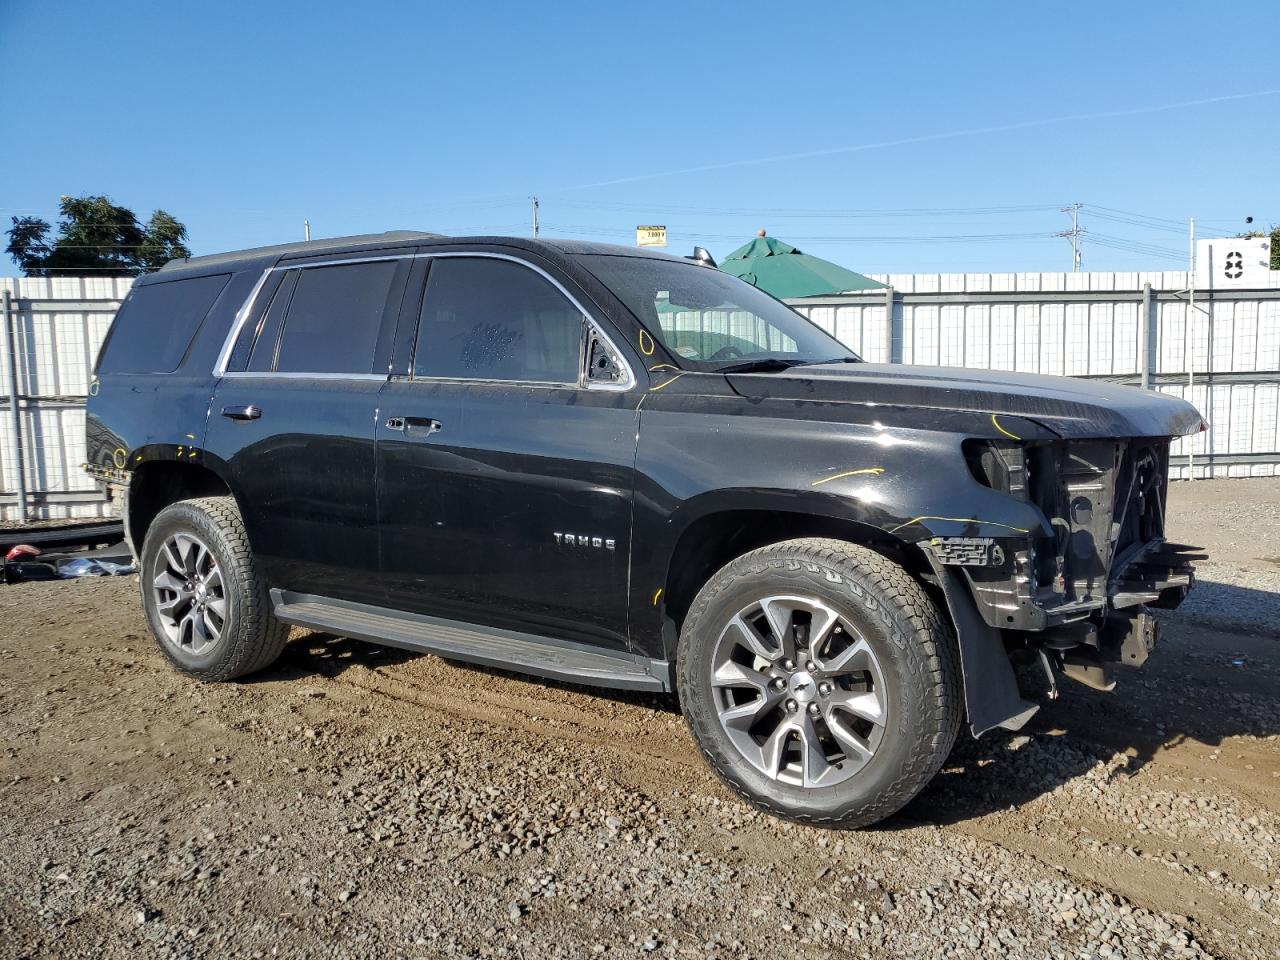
pixel 1100 498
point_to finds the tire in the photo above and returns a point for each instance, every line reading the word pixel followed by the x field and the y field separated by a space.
pixel 882 729
pixel 179 587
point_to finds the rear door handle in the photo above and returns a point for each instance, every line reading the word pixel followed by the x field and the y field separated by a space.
pixel 414 426
pixel 246 412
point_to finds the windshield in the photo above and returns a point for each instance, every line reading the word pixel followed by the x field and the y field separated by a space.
pixel 709 320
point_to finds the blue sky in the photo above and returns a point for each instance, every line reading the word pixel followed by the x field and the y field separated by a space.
pixel 242 119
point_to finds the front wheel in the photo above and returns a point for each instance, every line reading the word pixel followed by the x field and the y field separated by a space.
pixel 819 681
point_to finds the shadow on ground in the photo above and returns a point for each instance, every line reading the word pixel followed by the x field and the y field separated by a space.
pixel 1204 683
pixel 328 655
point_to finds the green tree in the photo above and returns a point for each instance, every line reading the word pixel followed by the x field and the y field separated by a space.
pixel 1275 243
pixel 162 241
pixel 96 235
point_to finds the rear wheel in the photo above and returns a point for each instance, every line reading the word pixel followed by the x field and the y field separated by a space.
pixel 819 681
pixel 207 608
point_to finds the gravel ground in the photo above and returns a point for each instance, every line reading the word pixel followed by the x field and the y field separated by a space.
pixel 1238 522
pixel 354 801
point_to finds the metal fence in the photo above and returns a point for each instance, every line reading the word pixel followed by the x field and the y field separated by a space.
pixel 1134 328
pixel 52 330
pixel 1222 354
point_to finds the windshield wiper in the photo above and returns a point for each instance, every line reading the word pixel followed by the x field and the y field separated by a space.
pixel 814 363
pixel 762 365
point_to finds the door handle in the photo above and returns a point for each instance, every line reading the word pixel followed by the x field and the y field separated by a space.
pixel 414 426
pixel 246 412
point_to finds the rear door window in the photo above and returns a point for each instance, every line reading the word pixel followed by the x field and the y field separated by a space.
pixel 157 324
pixel 336 315
pixel 488 319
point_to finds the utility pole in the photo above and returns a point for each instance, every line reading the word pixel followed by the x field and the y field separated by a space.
pixel 1191 342
pixel 1073 235
pixel 534 201
pixel 306 229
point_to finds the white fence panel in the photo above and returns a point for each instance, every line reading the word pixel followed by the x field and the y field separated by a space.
pixel 1092 325
pixel 60 323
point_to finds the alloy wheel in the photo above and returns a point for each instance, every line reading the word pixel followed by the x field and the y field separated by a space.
pixel 190 594
pixel 799 692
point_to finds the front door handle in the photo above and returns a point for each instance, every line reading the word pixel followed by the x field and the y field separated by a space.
pixel 246 412
pixel 414 426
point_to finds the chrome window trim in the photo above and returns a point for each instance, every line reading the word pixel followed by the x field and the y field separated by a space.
pixel 559 384
pixel 242 315
pixel 628 381
pixel 583 382
pixel 291 375
pixel 224 355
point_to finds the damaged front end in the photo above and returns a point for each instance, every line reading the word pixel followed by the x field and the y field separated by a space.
pixel 1080 599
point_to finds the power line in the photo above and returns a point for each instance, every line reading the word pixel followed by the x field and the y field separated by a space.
pixel 791 212
pixel 824 238
pixel 1133 246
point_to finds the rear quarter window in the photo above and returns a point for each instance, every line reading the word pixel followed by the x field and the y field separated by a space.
pixel 157 323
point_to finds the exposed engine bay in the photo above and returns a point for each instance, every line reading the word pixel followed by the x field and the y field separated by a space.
pixel 1080 599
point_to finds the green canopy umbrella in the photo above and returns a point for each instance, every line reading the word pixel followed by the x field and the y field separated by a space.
pixel 782 270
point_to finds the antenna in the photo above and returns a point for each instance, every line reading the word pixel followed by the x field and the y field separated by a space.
pixel 534 201
pixel 1073 234
pixel 306 229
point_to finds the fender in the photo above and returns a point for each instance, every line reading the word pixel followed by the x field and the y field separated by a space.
pixel 865 473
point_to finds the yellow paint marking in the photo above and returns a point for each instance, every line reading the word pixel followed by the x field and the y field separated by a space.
pixel 996 424
pixel 662 366
pixel 876 471
pixel 120 457
pixel 656 596
pixel 644 337
pixel 990 523
pixel 191 436
pixel 667 383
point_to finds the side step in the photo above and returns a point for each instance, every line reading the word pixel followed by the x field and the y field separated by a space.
pixel 489 646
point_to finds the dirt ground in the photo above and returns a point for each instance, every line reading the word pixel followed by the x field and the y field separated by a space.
pixel 354 801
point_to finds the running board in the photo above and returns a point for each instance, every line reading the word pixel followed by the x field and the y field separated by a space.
pixel 488 646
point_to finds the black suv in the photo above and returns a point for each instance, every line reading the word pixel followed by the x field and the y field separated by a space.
pixel 627 469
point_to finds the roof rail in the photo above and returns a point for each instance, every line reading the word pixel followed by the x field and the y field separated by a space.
pixel 300 246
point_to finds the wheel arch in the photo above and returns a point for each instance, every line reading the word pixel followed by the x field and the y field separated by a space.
pixel 159 480
pixel 713 539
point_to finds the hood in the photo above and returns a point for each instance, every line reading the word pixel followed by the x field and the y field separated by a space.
pixel 1070 407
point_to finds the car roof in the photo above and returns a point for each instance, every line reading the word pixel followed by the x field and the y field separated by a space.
pixel 261 257
pixel 234 259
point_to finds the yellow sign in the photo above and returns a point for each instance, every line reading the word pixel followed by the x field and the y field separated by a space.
pixel 651 236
